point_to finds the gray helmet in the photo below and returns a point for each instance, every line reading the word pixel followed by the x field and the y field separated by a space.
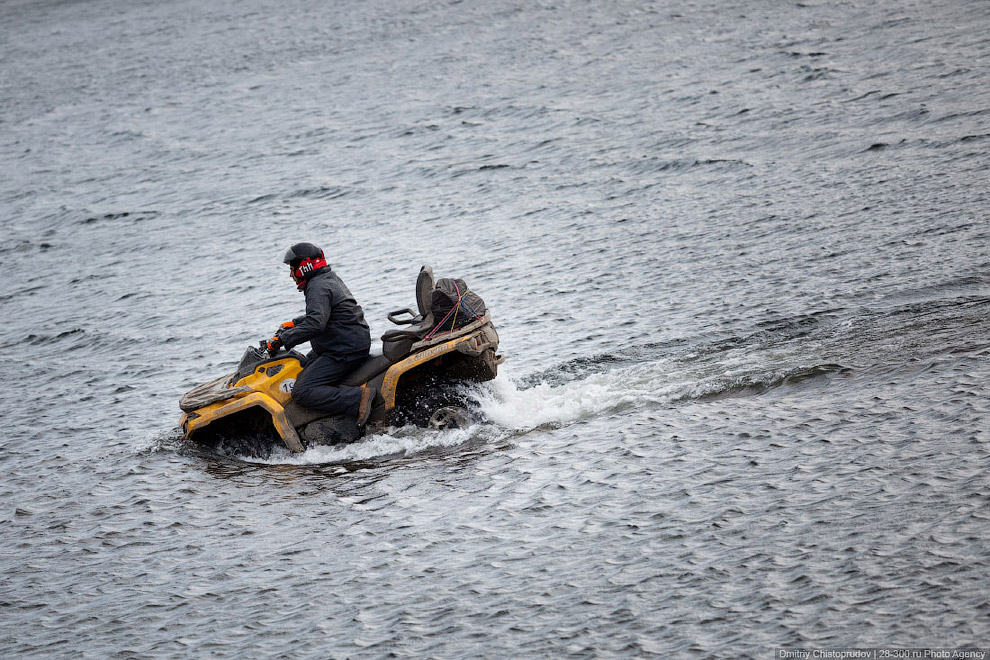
pixel 300 251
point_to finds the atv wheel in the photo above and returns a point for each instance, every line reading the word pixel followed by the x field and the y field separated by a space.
pixel 449 417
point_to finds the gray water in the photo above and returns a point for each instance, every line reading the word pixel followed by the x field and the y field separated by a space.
pixel 737 253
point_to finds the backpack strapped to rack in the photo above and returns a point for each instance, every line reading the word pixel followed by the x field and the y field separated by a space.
pixel 455 305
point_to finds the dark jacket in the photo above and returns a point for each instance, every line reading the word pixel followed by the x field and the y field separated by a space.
pixel 334 323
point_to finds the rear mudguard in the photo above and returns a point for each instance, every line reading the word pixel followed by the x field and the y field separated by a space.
pixel 390 383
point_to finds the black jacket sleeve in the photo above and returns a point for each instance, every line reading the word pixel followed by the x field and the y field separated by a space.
pixel 314 322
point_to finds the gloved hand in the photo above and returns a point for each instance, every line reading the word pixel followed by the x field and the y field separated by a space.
pixel 274 344
pixel 287 325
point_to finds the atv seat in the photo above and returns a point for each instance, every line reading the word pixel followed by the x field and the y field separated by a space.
pixel 368 370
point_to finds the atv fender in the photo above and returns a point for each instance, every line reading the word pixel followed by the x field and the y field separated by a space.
pixel 200 419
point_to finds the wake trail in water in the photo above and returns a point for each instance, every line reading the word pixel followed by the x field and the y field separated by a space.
pixel 389 445
pixel 506 409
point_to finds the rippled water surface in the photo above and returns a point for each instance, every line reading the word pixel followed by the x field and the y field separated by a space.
pixel 739 259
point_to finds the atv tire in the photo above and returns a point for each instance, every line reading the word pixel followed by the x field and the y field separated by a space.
pixel 449 417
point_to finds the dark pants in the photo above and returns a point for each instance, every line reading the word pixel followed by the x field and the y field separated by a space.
pixel 318 386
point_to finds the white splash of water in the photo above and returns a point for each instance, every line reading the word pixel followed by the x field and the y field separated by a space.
pixel 392 443
pixel 503 403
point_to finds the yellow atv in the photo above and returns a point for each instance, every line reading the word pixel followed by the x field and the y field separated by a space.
pixel 251 410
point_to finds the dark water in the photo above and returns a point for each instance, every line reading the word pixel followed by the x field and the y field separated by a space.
pixel 737 253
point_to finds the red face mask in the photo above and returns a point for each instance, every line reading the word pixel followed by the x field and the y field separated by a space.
pixel 305 267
